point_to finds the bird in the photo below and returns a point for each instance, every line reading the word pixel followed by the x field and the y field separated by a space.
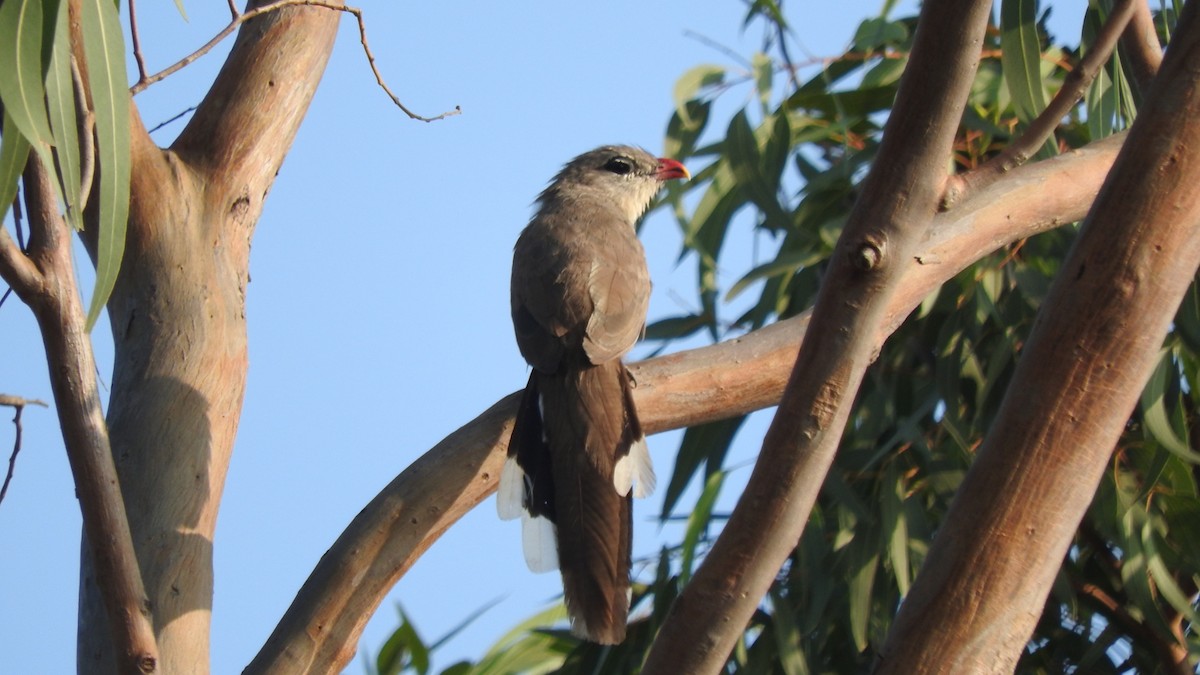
pixel 577 454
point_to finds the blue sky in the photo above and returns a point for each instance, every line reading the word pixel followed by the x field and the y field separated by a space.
pixel 378 307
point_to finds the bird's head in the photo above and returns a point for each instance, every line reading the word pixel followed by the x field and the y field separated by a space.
pixel 619 176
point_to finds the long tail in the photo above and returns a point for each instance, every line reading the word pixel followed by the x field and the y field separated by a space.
pixel 581 453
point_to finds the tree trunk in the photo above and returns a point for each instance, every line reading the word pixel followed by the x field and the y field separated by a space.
pixel 178 322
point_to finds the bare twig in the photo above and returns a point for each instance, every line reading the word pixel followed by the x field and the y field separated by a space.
pixel 1042 128
pixel 160 125
pixel 18 404
pixel 137 43
pixel 240 18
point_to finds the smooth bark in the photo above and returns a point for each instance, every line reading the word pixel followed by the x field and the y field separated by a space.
pixel 899 199
pixel 178 322
pixel 984 583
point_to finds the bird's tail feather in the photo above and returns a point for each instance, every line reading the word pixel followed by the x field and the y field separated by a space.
pixel 590 425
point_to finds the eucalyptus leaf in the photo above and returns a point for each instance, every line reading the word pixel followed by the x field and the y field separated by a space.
pixel 104 47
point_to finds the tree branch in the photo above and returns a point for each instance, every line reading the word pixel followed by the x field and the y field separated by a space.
pixel 18 404
pixel 240 18
pixel 1140 42
pixel 1094 344
pixel 319 632
pixel 1042 128
pixel 899 199
pixel 56 306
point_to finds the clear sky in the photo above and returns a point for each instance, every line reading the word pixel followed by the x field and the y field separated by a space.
pixel 378 308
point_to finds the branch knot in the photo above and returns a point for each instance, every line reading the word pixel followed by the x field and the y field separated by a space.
pixel 867 255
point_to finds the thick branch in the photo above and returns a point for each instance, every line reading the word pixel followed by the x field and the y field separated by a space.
pixel 178 320
pixel 982 588
pixel 244 127
pixel 73 381
pixel 319 631
pixel 899 200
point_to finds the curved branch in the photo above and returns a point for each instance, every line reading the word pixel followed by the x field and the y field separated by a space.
pixel 319 631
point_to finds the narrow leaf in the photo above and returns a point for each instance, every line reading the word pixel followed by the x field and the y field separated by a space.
pixel 14 150
pixel 60 100
pixel 1154 411
pixel 21 79
pixel 698 523
pixel 702 444
pixel 690 83
pixel 1021 57
pixel 105 51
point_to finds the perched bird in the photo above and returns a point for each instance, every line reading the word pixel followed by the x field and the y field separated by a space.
pixel 580 288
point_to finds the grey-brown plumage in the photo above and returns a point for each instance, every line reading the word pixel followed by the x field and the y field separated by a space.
pixel 580 289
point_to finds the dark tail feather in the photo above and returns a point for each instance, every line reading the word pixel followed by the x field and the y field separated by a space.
pixel 590 423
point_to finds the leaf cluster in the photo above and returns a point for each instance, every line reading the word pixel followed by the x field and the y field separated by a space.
pixel 73 118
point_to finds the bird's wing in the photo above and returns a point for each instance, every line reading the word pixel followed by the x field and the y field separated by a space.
pixel 542 279
pixel 619 286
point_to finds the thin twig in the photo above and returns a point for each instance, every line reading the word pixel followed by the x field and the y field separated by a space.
pixel 729 52
pixel 163 124
pixel 787 57
pixel 18 404
pixel 242 17
pixel 137 43
pixel 1042 128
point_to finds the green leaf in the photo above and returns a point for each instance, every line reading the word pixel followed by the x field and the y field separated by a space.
pixel 105 51
pixel 684 130
pixel 1021 57
pixel 21 78
pixel 875 33
pixel 182 11
pixel 697 524
pixel 14 151
pixel 862 562
pixel 788 641
pixel 886 73
pixel 690 83
pixel 764 77
pixel 404 649
pixel 786 263
pixel 676 327
pixel 1154 411
pixel 1164 581
pixel 895 526
pixel 60 100
pixel 702 444
pixel 523 651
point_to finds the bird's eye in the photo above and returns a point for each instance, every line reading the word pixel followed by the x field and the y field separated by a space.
pixel 619 166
